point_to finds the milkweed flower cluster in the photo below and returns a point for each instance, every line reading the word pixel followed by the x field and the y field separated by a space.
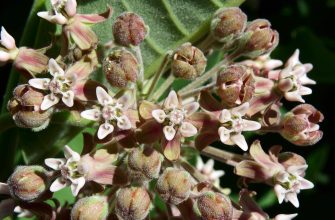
pixel 143 134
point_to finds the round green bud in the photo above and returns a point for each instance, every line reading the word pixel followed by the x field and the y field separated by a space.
pixel 120 67
pixel 90 208
pixel 28 183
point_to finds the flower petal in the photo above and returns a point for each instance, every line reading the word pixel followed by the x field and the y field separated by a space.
pixel 250 125
pixel 159 115
pixel 31 60
pixel 85 90
pixel 225 116
pixel 57 185
pixel 187 129
pixel 294 97
pixel 104 130
pixel 200 163
pixel 171 149
pixel 68 98
pixel 252 170
pixel 76 185
pixel 82 35
pixel 258 154
pixel 91 114
pixel 208 168
pixel 71 7
pixel 171 101
pixel 71 154
pixel 216 174
pixel 54 163
pixel 124 123
pixel 79 70
pixel 280 193
pixel 305 184
pixel 242 109
pixel 285 216
pixel 239 140
pixel 49 101
pixel 56 19
pixel 7 40
pixel 40 83
pixel 149 132
pixel 103 97
pixel 191 108
pixel 54 68
pixel 224 134
pixel 169 132
pixel 94 18
pixel 4 56
pixel 292 198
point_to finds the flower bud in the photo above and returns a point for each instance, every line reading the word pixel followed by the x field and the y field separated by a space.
pixel 300 125
pixel 129 29
pixel 144 164
pixel 25 108
pixel 120 67
pixel 28 183
pixel 90 208
pixel 214 206
pixel 132 203
pixel 228 22
pixel 263 38
pixel 236 84
pixel 174 186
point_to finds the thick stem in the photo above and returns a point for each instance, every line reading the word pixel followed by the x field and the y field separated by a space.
pixel 140 78
pixel 226 157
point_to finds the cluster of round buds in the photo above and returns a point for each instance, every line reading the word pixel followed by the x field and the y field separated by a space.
pixel 129 29
pixel 228 23
pixel 132 203
pixel 92 207
pixel 188 62
pixel 25 108
pixel 28 183
pixel 144 164
pixel 213 206
pixel 235 84
pixel 120 67
pixel 174 186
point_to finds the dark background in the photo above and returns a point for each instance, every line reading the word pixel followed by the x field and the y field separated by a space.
pixel 304 24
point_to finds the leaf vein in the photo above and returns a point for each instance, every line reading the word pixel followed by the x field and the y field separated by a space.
pixel 179 25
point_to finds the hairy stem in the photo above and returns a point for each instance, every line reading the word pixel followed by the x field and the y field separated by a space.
pixel 226 157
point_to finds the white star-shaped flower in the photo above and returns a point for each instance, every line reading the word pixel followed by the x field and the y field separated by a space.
pixel 207 169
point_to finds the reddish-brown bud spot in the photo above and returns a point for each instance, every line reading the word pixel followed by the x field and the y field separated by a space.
pixel 188 62
pixel 214 206
pixel 25 108
pixel 28 183
pixel 132 203
pixel 129 29
pixel 174 186
pixel 120 67
pixel 90 208
pixel 228 22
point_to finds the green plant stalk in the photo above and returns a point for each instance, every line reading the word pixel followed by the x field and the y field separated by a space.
pixel 164 87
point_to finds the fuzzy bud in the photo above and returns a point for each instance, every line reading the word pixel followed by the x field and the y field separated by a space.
pixel 25 108
pixel 144 164
pixel 263 38
pixel 90 208
pixel 132 203
pixel 236 84
pixel 28 183
pixel 129 29
pixel 120 67
pixel 300 125
pixel 188 62
pixel 228 23
pixel 174 186
pixel 214 206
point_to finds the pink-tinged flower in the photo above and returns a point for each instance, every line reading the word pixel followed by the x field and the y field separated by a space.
pixel 293 78
pixel 284 171
pixel 23 213
pixel 251 211
pixel 207 170
pixel 300 125
pixel 262 65
pixel 75 26
pixel 65 85
pixel 25 59
pixel 70 175
pixel 114 113
pixel 171 122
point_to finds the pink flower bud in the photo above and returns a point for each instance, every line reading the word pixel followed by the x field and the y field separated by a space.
pixel 144 164
pixel 188 62
pixel 25 108
pixel 132 203
pixel 28 183
pixel 174 186
pixel 214 206
pixel 235 84
pixel 120 67
pixel 92 207
pixel 300 125
pixel 228 22
pixel 129 29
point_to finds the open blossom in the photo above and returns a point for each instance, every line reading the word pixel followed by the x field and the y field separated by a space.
pixel 76 26
pixel 26 59
pixel 172 121
pixel 65 85
pixel 284 171
pixel 207 169
pixel 293 78
pixel 69 173
pixel 114 113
